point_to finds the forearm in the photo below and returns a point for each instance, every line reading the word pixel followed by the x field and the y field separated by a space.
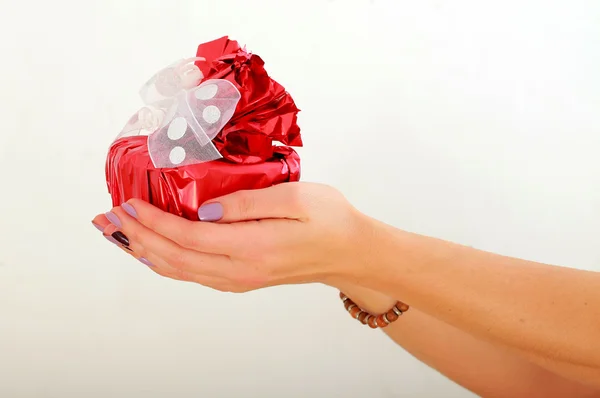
pixel 547 311
pixel 477 365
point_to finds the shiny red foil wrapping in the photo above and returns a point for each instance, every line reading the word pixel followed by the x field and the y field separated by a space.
pixel 265 116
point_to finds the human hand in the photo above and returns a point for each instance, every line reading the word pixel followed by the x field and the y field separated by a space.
pixel 291 233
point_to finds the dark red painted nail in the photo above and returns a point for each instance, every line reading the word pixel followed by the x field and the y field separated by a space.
pixel 121 238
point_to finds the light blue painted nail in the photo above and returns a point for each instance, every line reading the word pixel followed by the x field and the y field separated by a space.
pixel 210 212
pixel 145 261
pixel 114 220
pixel 129 210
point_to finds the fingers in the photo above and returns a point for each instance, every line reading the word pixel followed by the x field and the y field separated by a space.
pixel 280 201
pixel 137 238
pixel 100 222
pixel 151 257
pixel 161 250
pixel 164 270
pixel 108 230
pixel 202 237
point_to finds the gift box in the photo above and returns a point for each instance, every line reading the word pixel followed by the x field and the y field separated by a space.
pixel 211 125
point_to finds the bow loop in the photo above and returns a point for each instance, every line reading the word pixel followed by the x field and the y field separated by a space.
pixel 181 117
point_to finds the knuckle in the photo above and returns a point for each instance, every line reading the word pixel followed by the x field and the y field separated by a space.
pixel 192 239
pixel 178 274
pixel 178 259
pixel 245 203
pixel 135 203
pixel 154 221
pixel 297 199
pixel 139 251
pixel 133 233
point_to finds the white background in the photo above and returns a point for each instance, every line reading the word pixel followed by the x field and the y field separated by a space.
pixel 473 121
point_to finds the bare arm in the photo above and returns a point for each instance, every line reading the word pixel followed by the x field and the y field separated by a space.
pixel 310 233
pixel 550 314
pixel 480 366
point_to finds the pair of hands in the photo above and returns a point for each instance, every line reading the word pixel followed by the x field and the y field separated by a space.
pixel 291 233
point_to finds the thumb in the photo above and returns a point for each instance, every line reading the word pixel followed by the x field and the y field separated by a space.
pixel 280 201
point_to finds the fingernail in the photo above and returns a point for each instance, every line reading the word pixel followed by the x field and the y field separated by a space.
pixel 121 238
pixel 114 220
pixel 114 242
pixel 145 262
pixel 111 240
pixel 210 212
pixel 129 210
pixel 98 227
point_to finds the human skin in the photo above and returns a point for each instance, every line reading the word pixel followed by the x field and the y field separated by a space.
pixel 535 323
pixel 485 368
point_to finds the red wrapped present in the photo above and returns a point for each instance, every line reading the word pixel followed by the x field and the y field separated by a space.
pixel 212 125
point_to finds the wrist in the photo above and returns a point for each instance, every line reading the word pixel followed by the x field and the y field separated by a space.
pixel 381 258
pixel 362 261
pixel 359 247
pixel 413 266
pixel 382 253
pixel 389 260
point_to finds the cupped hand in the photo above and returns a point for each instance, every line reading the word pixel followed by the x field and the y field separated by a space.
pixel 288 234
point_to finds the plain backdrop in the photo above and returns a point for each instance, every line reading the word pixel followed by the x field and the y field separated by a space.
pixel 472 121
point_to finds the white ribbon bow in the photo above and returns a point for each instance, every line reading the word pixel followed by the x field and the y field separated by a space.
pixel 181 118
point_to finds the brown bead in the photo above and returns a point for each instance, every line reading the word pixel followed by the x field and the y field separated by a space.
pixel 347 304
pixel 391 315
pixel 363 317
pixel 381 322
pixel 354 311
pixel 372 322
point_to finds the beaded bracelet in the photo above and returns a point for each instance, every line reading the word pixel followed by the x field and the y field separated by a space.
pixel 374 321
